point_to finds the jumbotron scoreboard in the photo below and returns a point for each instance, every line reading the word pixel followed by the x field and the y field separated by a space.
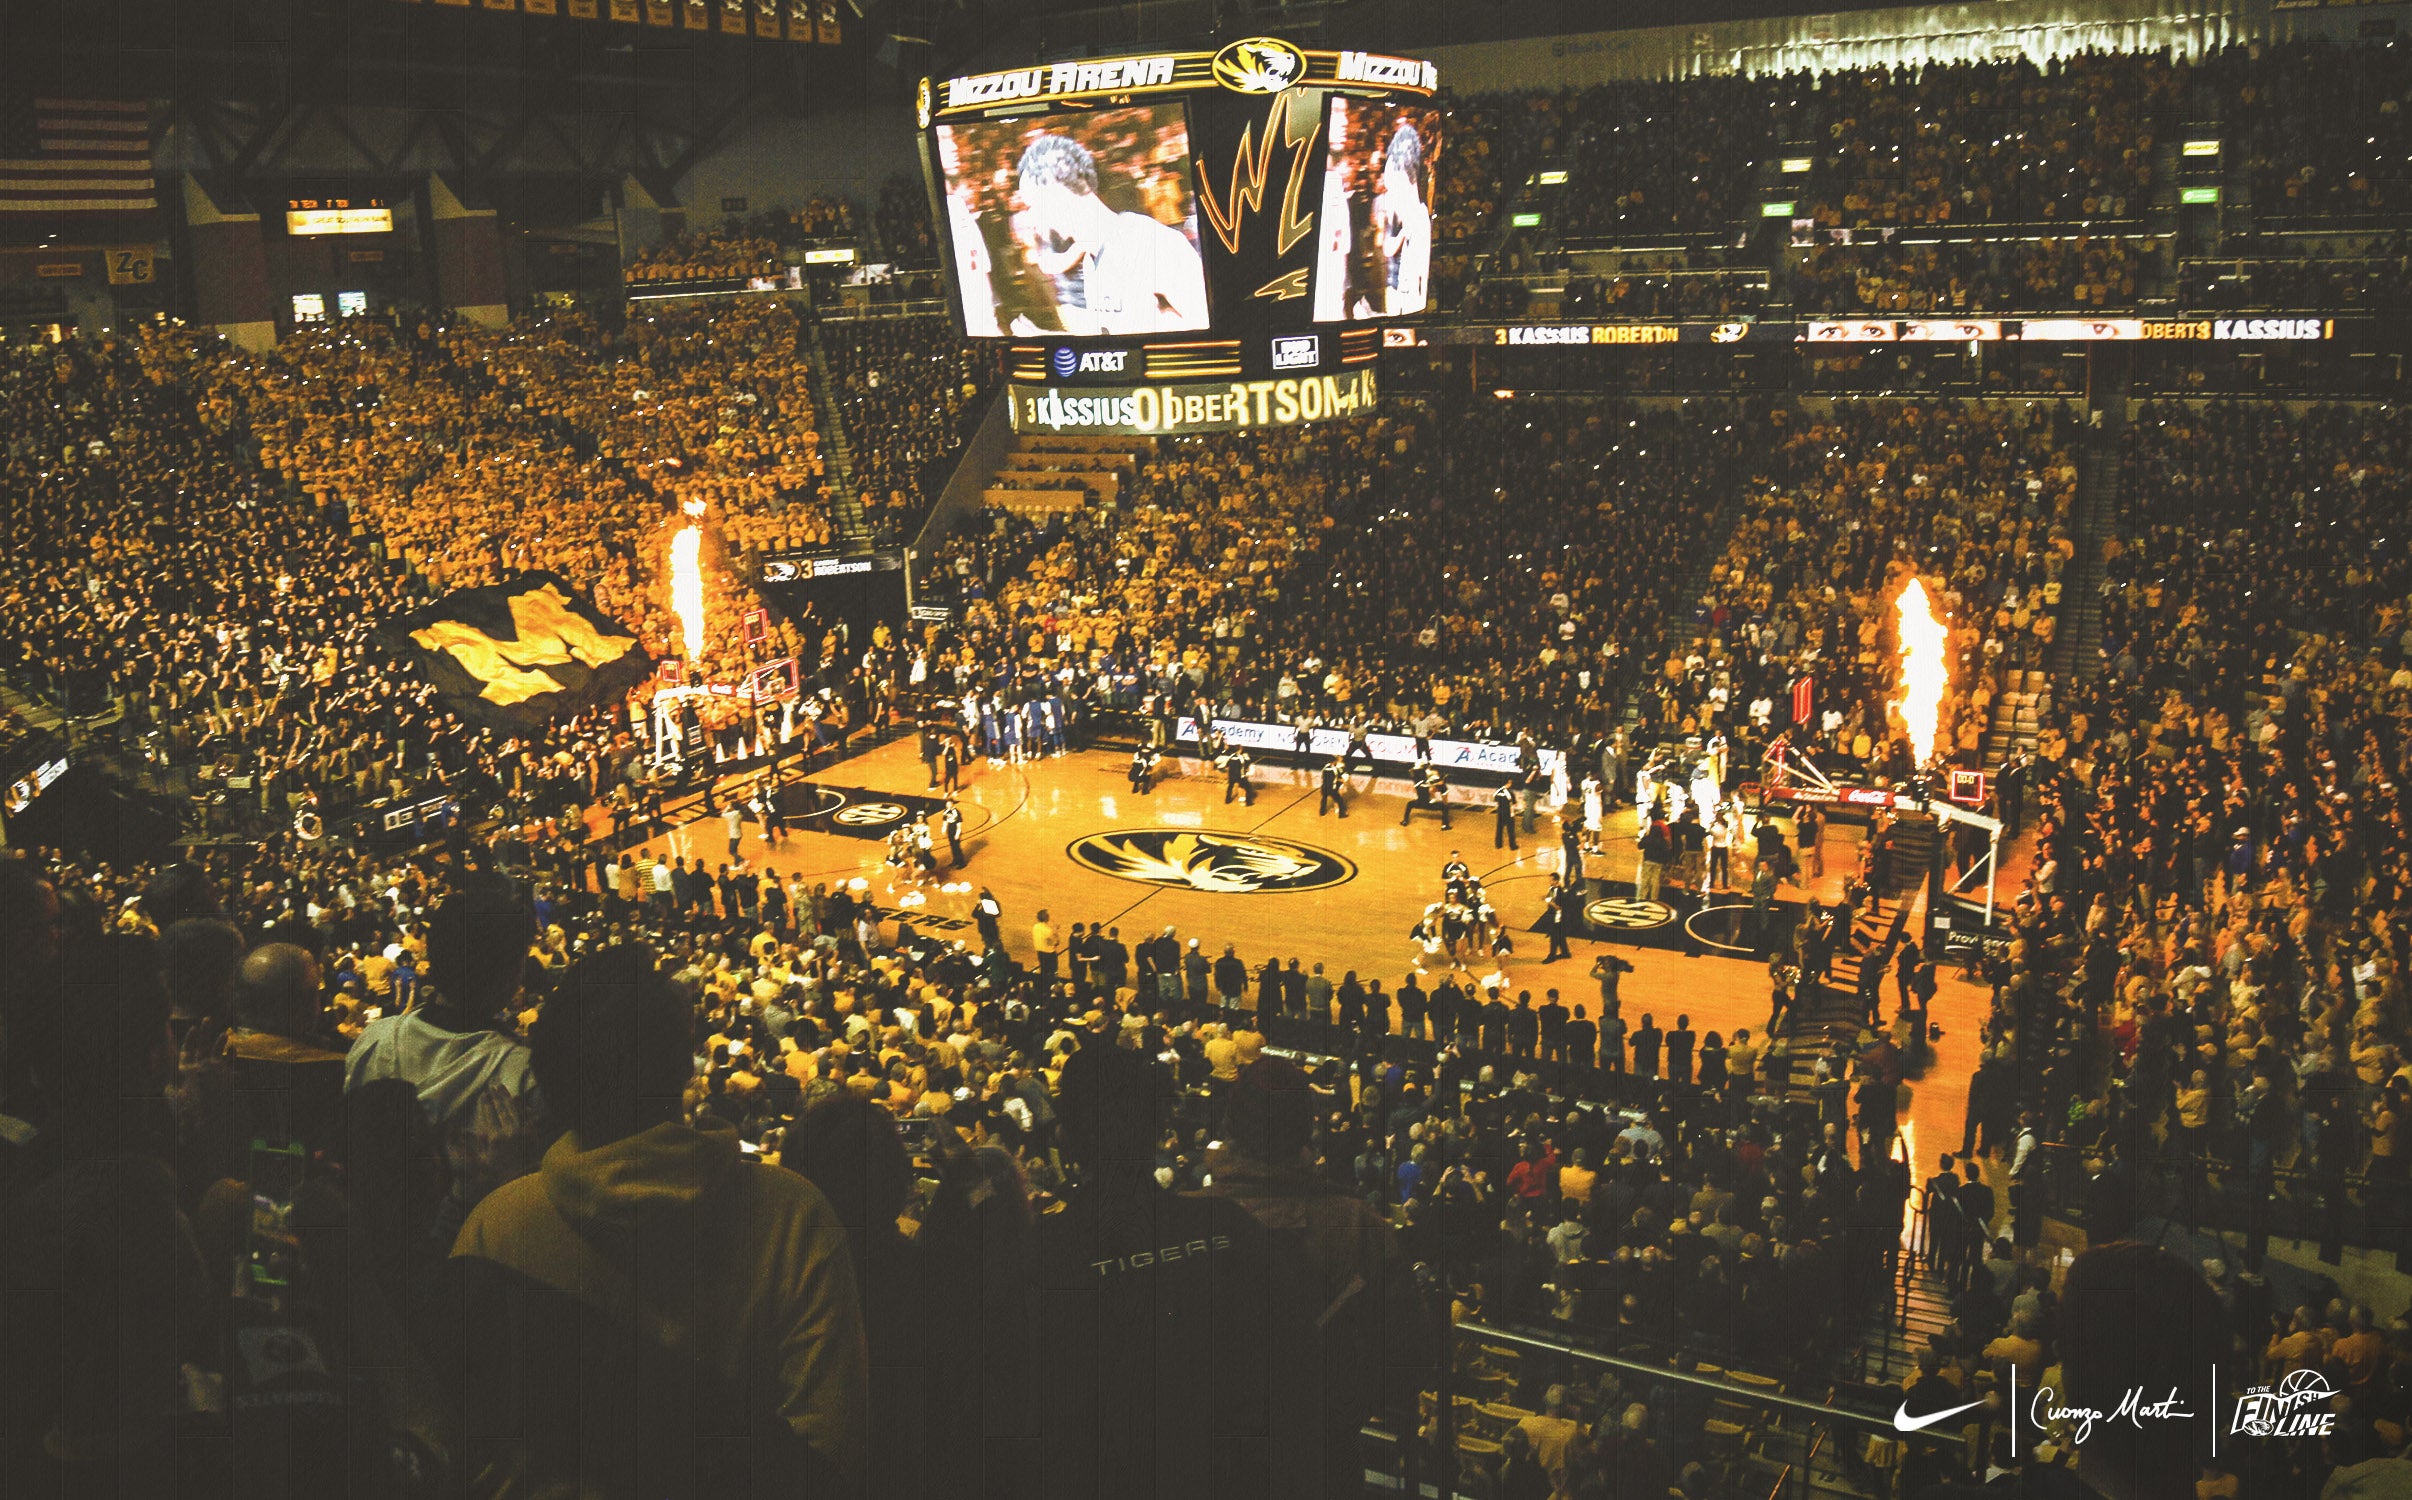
pixel 1187 241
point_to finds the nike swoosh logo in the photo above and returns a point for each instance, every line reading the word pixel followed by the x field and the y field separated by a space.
pixel 1904 1422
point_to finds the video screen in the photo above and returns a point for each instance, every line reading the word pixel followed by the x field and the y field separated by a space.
pixel 1074 224
pixel 1373 233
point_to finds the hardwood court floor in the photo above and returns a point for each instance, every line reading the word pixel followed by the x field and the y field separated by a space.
pixel 1020 820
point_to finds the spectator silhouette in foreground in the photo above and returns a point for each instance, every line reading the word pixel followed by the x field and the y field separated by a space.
pixel 649 1313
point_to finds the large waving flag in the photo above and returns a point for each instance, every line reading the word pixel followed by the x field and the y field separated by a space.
pixel 522 652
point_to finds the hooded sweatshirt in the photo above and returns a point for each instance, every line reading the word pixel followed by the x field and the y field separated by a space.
pixel 769 1303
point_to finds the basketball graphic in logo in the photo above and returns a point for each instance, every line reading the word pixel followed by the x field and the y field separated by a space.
pixel 1628 912
pixel 1232 864
pixel 869 814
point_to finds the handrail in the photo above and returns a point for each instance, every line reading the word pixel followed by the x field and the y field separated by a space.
pixel 1783 1478
pixel 1751 1395
pixel 2353 1181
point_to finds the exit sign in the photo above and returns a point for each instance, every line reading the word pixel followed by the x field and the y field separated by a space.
pixel 1525 221
pixel 1775 210
pixel 2198 195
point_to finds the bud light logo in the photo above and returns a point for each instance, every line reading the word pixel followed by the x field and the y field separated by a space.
pixel 1299 353
pixel 1063 361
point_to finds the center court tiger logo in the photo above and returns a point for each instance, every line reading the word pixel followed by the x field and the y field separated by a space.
pixel 1233 864
pixel 1628 912
pixel 1259 65
pixel 869 814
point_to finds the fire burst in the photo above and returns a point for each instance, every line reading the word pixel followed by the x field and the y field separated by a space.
pixel 1924 670
pixel 686 587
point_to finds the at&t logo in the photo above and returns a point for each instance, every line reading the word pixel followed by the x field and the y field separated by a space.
pixel 1066 361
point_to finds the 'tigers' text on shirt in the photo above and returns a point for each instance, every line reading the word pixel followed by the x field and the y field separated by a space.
pixel 1141 1260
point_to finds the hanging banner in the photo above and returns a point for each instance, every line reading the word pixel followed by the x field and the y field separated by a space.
pixel 732 17
pixel 829 35
pixel 799 20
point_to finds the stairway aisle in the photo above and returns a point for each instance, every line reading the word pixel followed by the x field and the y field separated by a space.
pixel 1828 1024
pixel 848 524
pixel 2077 643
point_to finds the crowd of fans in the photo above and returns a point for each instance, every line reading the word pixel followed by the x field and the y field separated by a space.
pixel 909 392
pixel 903 219
pixel 2077 152
pixel 764 244
pixel 1842 507
pixel 2221 854
pixel 212 540
pixel 2073 274
pixel 2371 275
pixel 1664 158
pixel 494 1066
pixel 2323 127
pixel 1305 574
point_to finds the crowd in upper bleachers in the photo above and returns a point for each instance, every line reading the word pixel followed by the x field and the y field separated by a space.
pixel 762 244
pixel 1994 186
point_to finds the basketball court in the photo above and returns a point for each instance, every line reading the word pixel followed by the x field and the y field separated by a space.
pixel 1068 836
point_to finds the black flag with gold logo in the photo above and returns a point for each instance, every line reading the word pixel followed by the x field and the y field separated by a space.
pixel 521 653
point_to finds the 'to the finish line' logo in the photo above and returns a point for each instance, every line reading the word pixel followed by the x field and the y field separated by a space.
pixel 1259 65
pixel 1629 913
pixel 2297 1407
pixel 1225 863
pixel 869 814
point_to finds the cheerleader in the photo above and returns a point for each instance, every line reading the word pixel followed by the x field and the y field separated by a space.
pixel 1429 948
pixel 925 854
pixel 1594 814
pixel 1501 946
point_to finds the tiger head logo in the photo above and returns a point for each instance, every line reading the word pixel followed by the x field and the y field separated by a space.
pixel 1202 860
pixel 1259 65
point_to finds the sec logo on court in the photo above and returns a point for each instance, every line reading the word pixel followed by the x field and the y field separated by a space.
pixel 1231 864
pixel 868 814
pixel 1628 913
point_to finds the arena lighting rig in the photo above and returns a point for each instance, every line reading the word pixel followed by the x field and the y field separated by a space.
pixel 1187 241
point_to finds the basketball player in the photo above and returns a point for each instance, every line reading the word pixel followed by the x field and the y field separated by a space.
pixel 1136 275
pixel 1405 224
